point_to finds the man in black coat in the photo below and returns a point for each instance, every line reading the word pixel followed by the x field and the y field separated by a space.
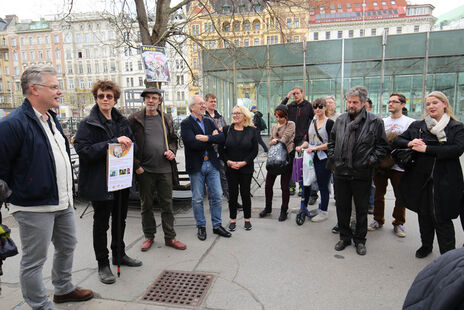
pixel 199 134
pixel 301 112
pixel 357 141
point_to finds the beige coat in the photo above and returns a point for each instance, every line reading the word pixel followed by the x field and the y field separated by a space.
pixel 285 133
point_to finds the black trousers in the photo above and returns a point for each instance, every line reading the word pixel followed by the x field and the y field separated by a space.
pixel 237 180
pixel 101 218
pixel 345 190
pixel 261 142
pixel 429 224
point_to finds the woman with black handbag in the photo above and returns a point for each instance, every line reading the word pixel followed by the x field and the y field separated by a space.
pixel 283 131
pixel 433 186
pixel 238 153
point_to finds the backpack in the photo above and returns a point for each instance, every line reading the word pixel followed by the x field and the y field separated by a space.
pixel 262 124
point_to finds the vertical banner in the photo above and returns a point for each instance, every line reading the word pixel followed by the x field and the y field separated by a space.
pixel 120 167
pixel 156 63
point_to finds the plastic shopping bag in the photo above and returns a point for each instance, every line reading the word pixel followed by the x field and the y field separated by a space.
pixel 309 174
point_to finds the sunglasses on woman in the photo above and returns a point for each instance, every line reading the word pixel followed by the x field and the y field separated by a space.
pixel 318 106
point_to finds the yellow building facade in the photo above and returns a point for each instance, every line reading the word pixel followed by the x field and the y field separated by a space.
pixel 233 24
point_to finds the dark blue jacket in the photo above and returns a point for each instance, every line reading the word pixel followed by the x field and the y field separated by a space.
pixel 91 144
pixel 440 285
pixel 27 163
pixel 194 149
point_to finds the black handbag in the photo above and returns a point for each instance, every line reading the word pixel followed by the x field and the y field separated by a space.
pixel 404 158
pixel 7 246
pixel 277 159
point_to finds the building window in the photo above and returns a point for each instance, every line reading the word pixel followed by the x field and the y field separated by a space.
pixel 30 40
pixel 195 63
pixel 79 55
pixel 56 38
pixel 81 68
pixel 15 56
pixel 105 67
pixel 375 3
pixel 393 2
pixel 89 68
pixel 373 32
pixel 296 39
pixel 399 30
pixel 246 26
pixel 316 36
pixel 296 23
pixel 87 53
pixel 71 84
pixel 70 68
pixel 236 43
pixel 81 84
pixel 113 66
pixel 68 54
pixel 86 37
pixel 289 23
pixel 246 43
pixel 140 81
pixel 416 28
pixel 256 42
pixel 361 32
pixel 13 41
pixel 384 2
pixel 89 84
pixel 97 67
pixel 139 65
pixel 58 54
pixel 58 68
pixel 40 55
pixel 385 30
pixel 226 27
pixel 256 25
pixel 340 34
pixel 350 33
pixel 327 35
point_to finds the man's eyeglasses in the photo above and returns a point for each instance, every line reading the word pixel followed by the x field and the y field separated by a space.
pixel 237 113
pixel 102 96
pixel 318 106
pixel 55 88
pixel 394 101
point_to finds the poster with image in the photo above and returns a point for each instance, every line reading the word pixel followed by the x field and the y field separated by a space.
pixel 119 167
pixel 155 63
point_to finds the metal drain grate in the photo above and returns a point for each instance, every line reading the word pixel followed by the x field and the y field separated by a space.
pixel 180 288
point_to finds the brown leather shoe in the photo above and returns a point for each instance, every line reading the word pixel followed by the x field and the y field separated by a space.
pixel 78 294
pixel 176 244
pixel 146 245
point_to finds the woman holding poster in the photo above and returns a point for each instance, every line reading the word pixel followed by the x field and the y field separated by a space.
pixel 105 125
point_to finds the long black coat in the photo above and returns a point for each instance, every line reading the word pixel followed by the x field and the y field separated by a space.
pixel 91 144
pixel 439 165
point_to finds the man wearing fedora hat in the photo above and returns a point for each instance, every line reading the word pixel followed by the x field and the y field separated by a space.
pixel 157 146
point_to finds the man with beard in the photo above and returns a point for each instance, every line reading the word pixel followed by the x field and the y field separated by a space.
pixel 357 141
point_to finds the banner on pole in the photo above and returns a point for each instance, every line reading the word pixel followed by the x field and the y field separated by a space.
pixel 155 63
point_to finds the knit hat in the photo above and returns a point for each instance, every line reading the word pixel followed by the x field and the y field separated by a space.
pixel 252 108
pixel 283 108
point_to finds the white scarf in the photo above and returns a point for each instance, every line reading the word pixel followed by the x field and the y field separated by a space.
pixel 438 128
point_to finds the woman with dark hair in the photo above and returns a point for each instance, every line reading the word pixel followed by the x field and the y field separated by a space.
pixel 104 125
pixel 316 144
pixel 433 187
pixel 283 131
pixel 238 152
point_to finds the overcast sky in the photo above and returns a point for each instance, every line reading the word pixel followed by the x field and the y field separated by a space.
pixel 34 9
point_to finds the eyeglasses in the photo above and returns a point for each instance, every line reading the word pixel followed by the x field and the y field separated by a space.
pixel 237 113
pixel 394 101
pixel 318 106
pixel 102 96
pixel 55 88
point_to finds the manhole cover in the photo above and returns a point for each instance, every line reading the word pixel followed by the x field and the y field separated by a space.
pixel 180 288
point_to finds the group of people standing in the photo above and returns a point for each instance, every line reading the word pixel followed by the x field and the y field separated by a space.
pixel 353 147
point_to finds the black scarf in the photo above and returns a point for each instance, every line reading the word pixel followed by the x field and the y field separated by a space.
pixel 349 139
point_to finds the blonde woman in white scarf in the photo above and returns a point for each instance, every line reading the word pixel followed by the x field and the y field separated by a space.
pixel 434 186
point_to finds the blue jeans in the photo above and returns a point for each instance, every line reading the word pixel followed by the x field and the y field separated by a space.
pixel 323 179
pixel 210 176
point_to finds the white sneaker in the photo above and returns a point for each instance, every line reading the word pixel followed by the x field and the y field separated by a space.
pixel 399 231
pixel 321 216
pixel 374 226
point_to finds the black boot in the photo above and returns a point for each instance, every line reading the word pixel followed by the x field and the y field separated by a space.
pixel 105 274
pixel 267 210
pixel 283 215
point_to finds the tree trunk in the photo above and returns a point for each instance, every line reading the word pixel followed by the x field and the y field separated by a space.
pixel 143 22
